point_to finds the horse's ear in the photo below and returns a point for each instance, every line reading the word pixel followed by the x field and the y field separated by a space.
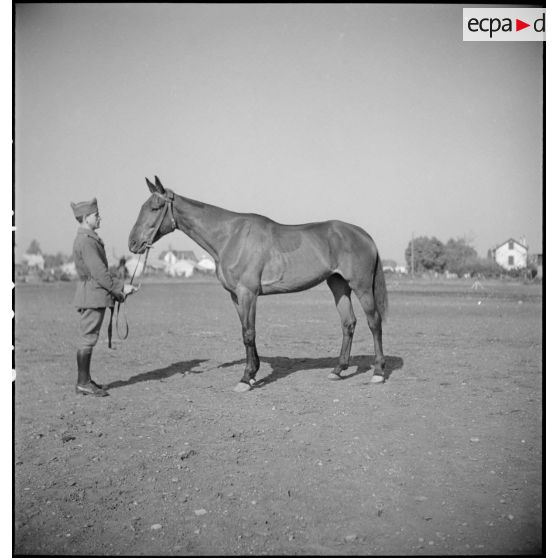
pixel 159 185
pixel 151 186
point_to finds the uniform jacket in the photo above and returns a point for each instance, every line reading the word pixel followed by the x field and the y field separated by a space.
pixel 96 287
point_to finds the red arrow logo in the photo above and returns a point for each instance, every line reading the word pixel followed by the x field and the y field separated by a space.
pixel 519 25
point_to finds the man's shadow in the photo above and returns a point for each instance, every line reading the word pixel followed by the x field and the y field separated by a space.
pixel 183 368
pixel 281 367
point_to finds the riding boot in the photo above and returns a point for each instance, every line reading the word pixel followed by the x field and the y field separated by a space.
pixel 87 367
pixel 85 385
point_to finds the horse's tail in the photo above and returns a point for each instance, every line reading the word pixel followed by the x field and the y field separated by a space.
pixel 379 289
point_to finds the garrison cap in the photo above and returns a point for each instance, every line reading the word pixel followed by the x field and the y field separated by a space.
pixel 82 209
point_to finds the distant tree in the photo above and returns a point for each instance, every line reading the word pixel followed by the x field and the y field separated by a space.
pixel 429 254
pixel 460 256
pixel 34 248
pixel 53 261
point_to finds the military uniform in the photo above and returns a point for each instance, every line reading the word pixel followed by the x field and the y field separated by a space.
pixel 96 291
pixel 97 288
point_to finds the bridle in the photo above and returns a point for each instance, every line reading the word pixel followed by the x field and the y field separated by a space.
pixel 168 198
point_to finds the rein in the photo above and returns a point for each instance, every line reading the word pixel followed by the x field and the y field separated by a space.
pixel 169 198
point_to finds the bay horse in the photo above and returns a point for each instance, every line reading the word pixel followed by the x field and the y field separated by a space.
pixel 256 256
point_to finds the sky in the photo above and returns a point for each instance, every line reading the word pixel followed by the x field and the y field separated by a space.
pixel 378 115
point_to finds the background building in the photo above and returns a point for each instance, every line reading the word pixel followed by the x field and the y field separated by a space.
pixel 511 254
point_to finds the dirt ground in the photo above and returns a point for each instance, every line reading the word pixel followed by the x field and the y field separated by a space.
pixel 443 458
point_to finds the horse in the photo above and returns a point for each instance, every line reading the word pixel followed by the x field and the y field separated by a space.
pixel 257 256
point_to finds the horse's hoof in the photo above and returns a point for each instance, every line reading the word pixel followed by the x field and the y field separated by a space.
pixel 241 387
pixel 333 376
pixel 377 379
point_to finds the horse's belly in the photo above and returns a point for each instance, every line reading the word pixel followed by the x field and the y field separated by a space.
pixel 293 271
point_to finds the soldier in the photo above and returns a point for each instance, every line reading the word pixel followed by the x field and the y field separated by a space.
pixel 97 290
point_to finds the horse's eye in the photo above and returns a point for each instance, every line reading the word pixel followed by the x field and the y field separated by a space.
pixel 155 205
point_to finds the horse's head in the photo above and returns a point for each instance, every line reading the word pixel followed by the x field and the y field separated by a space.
pixel 155 219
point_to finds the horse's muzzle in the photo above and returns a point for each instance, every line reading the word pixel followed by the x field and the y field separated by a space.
pixel 137 247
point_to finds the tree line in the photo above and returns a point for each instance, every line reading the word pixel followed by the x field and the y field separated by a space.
pixel 51 260
pixel 431 255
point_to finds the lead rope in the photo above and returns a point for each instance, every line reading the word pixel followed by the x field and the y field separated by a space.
pixel 120 305
pixel 168 207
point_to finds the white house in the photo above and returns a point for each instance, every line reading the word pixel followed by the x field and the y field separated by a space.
pixel 206 263
pixel 179 263
pixel 511 254
pixel 181 268
pixel 69 269
pixel 170 257
pixel 34 260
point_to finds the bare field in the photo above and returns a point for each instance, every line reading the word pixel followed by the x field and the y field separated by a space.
pixel 444 458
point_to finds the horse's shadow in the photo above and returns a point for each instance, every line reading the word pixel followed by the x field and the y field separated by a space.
pixel 282 367
pixel 183 368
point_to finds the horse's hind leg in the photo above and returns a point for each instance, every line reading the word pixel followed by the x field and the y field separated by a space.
pixel 342 295
pixel 374 319
pixel 245 304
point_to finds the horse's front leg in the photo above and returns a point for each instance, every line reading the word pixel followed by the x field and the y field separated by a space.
pixel 245 303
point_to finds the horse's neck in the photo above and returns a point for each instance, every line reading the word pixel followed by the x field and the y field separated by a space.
pixel 206 224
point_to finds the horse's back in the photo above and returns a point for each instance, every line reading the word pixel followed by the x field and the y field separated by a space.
pixel 335 244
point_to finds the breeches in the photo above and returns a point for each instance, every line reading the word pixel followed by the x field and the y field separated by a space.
pixel 89 326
